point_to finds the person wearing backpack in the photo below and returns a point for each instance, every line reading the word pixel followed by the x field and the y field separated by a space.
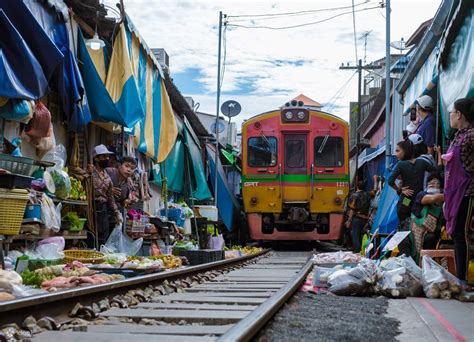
pixel 359 205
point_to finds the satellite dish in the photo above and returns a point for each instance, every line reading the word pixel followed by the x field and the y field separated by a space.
pixel 220 127
pixel 399 45
pixel 231 108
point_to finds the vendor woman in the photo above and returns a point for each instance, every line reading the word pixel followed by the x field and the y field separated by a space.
pixel 121 177
pixel 105 205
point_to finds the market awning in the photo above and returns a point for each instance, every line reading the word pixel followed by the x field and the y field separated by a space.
pixel 22 75
pixel 425 80
pixel 368 154
pixel 457 69
pixel 198 177
pixel 226 201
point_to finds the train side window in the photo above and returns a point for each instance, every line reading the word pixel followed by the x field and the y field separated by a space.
pixel 262 151
pixel 329 151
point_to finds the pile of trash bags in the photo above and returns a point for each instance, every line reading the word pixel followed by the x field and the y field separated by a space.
pixel 398 277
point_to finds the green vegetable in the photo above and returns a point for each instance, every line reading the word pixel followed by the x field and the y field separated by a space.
pixel 35 279
pixel 73 218
pixel 62 183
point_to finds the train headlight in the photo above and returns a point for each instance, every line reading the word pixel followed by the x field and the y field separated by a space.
pixel 301 115
pixel 253 200
pixel 289 115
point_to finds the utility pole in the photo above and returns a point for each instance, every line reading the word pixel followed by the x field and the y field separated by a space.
pixel 359 69
pixel 218 100
pixel 387 85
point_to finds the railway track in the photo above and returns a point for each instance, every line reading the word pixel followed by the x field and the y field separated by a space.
pixel 231 301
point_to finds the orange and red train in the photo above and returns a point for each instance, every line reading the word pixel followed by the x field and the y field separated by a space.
pixel 295 174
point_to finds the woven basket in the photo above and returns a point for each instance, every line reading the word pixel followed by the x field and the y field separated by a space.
pixel 84 256
pixel 12 209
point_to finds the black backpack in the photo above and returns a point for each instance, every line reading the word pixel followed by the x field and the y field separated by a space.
pixel 362 203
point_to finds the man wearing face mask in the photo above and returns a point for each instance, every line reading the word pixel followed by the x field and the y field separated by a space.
pixel 105 204
pixel 426 215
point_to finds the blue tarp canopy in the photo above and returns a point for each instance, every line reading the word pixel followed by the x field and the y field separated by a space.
pixel 227 204
pixel 35 56
pixel 386 219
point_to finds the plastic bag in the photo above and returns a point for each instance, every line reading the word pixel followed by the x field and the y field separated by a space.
pixel 61 182
pixel 51 248
pixel 50 214
pixel 216 242
pixel 402 261
pixel 39 126
pixel 58 156
pixel 321 275
pixel 121 243
pixel 399 283
pixel 437 282
pixel 357 281
pixel 336 257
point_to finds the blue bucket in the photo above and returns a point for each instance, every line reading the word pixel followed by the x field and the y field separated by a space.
pixel 33 211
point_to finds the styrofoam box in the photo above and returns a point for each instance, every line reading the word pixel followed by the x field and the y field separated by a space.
pixel 207 211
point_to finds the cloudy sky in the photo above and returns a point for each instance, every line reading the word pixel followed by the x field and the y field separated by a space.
pixel 265 68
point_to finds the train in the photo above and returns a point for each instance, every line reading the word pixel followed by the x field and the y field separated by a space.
pixel 295 174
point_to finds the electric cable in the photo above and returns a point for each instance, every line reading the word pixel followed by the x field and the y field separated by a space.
pixel 300 25
pixel 290 14
pixel 355 31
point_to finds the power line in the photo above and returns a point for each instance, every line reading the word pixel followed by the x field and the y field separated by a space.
pixel 290 14
pixel 355 32
pixel 339 92
pixel 301 25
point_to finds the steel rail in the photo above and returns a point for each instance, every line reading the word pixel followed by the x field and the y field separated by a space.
pixel 56 303
pixel 254 321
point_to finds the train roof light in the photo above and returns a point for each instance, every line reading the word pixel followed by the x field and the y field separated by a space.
pixel 294 103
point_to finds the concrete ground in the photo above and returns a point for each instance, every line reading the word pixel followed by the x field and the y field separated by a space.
pixel 423 319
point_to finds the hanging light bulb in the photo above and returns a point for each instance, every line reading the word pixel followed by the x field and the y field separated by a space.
pixel 95 43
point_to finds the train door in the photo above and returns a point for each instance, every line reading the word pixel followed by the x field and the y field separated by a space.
pixel 295 166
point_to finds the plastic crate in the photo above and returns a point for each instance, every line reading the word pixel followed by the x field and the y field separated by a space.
pixel 19 165
pixel 174 214
pixel 202 256
pixel 10 181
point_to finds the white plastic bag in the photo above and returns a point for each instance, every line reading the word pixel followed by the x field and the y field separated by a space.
pixel 437 282
pixel 51 214
pixel 216 242
pixel 121 243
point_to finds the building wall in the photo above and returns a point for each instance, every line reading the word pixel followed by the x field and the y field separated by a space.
pixel 378 136
pixel 207 120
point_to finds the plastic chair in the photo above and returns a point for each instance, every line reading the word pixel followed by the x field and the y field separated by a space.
pixel 441 253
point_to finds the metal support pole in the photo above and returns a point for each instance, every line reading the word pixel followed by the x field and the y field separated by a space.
pixel 359 111
pixel 218 100
pixel 387 85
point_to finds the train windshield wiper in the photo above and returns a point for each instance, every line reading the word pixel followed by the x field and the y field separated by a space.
pixel 323 144
pixel 266 140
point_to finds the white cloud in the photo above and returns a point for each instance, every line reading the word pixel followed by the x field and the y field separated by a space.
pixel 188 32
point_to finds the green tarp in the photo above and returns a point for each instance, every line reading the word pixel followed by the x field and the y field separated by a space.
pixel 184 167
pixel 456 77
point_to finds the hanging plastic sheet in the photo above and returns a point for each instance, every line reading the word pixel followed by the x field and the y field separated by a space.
pixel 457 71
pixel 22 74
pixel 424 82
pixel 226 202
pixel 101 101
pixel 40 44
pixel 386 219
pixel 199 184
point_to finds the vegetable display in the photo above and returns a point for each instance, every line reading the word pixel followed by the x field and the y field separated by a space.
pixel 61 182
pixel 77 190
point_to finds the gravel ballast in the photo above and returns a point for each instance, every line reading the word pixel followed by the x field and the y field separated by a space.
pixel 311 317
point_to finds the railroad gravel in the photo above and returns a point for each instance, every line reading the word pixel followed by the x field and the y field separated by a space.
pixel 324 317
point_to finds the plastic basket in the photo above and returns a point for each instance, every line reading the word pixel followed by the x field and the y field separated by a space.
pixel 84 256
pixel 19 165
pixel 12 209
